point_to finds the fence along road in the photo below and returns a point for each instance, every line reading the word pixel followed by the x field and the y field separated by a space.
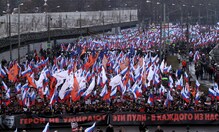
pixel 39 22
pixel 34 27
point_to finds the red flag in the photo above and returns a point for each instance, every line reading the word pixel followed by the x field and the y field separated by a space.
pixel 7 102
pixel 52 85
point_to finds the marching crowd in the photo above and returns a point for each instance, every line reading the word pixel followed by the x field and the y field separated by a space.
pixel 122 72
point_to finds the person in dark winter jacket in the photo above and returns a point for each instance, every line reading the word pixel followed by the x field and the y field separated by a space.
pixel 143 127
pixel 99 130
pixel 159 129
pixel 110 128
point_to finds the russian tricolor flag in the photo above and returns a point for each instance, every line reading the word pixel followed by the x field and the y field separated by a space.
pixel 25 87
pixel 67 94
pixel 162 90
pixel 138 77
pixel 151 99
pixel 4 86
pixel 169 96
pixel 33 96
pixel 196 56
pixel 132 76
pixel 18 88
pixel 2 72
pixel 47 72
pixel 186 77
pixel 137 91
pixel 211 92
pixel 46 129
pixel 217 95
pixel 45 82
pixel 156 80
pixel 215 87
pixel 180 83
pixel 8 92
pixel 113 91
pixel 98 80
pixel 26 72
pixel 185 97
pixel 54 98
pixel 104 77
pixel 46 92
pixel 197 97
pixel 166 103
pixel 90 88
pixel 104 91
pixel 90 129
pixel 24 93
pixel 62 63
pixel 123 72
pixel 165 70
pixel 197 84
pixel 88 76
pixel 170 82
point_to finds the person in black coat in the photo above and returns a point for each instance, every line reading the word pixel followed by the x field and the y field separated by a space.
pixel 159 129
pixel 143 127
pixel 110 128
pixel 99 130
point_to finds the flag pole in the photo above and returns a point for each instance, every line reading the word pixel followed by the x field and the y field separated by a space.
pixel 216 103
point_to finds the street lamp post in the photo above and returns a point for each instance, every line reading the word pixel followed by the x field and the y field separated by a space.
pixel 103 23
pixel 19 43
pixel 164 30
pixel 215 14
pixel 181 20
pixel 199 14
pixel 9 28
pixel 48 18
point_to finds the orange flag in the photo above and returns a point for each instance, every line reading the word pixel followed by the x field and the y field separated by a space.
pixel 75 67
pixel 83 51
pixel 127 76
pixel 91 60
pixel 13 72
pixel 31 81
pixel 144 77
pixel 74 92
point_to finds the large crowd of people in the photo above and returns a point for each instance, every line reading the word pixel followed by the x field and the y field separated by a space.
pixel 124 72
